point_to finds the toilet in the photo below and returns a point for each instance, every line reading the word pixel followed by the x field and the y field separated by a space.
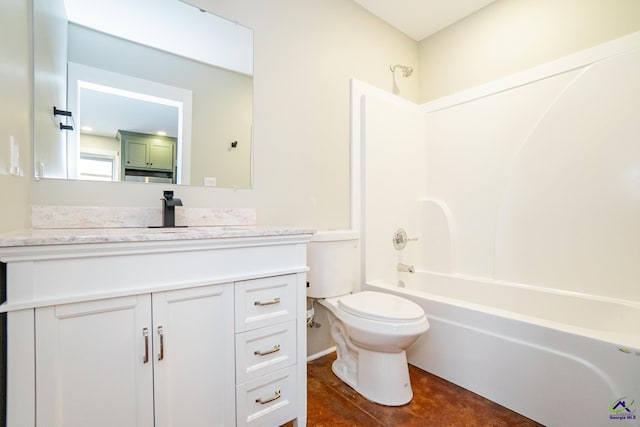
pixel 371 330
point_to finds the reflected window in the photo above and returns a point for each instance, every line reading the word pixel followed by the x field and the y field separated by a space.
pixel 97 167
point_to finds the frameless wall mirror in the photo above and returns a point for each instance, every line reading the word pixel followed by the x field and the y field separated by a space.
pixel 142 91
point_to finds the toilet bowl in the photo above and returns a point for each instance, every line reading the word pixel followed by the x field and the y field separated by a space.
pixel 371 344
pixel 371 330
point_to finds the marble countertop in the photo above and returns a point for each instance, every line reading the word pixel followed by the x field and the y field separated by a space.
pixel 43 237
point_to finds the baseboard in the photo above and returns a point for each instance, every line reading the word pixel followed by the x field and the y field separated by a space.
pixel 320 354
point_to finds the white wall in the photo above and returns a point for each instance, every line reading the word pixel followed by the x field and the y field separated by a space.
pixel 509 36
pixel 97 143
pixel 15 114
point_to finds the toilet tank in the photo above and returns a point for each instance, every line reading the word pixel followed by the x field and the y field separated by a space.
pixel 332 257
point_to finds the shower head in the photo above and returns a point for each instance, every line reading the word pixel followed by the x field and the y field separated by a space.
pixel 406 70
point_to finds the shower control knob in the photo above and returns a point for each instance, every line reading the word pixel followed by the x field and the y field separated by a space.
pixel 400 239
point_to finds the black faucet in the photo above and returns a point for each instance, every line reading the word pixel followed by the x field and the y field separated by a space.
pixel 169 209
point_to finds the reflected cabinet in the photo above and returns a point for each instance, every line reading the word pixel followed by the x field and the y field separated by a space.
pixel 147 155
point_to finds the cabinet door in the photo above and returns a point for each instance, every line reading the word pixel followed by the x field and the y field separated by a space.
pixel 161 154
pixel 136 152
pixel 90 364
pixel 194 357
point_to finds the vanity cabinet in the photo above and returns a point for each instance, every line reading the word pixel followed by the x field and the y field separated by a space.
pixel 169 347
pixel 266 380
pixel 88 353
pixel 181 331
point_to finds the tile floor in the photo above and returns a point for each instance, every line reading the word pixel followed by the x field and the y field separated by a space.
pixel 436 403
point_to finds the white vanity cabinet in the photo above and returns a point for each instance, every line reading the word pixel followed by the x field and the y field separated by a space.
pixel 180 332
pixel 266 350
pixel 193 356
pixel 169 347
pixel 88 354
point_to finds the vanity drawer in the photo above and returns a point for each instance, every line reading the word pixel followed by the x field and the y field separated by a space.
pixel 264 302
pixel 269 400
pixel 265 350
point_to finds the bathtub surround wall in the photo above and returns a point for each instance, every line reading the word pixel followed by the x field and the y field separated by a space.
pixel 393 177
pixel 543 180
pixel 532 179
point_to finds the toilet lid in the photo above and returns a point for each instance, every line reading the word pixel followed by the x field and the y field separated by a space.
pixel 380 306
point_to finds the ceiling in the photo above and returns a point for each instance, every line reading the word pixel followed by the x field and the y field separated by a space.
pixel 105 113
pixel 210 40
pixel 421 18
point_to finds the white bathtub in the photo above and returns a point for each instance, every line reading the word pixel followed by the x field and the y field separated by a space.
pixel 561 359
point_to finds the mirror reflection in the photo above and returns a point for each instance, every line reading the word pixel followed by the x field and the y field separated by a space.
pixel 143 90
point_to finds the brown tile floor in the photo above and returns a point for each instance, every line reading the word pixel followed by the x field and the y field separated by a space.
pixel 436 403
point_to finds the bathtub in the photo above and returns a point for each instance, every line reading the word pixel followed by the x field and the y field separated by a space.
pixel 559 358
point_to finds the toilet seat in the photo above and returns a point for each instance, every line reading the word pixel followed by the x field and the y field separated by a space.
pixel 381 307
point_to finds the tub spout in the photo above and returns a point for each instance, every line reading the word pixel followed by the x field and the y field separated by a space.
pixel 405 267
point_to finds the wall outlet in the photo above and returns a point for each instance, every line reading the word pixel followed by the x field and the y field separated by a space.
pixel 210 181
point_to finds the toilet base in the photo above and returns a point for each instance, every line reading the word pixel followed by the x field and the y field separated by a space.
pixel 380 377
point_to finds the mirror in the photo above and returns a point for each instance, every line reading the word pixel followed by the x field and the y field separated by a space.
pixel 141 90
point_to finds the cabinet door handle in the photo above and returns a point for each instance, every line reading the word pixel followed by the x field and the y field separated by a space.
pixel 145 334
pixel 264 353
pixel 161 335
pixel 273 301
pixel 271 399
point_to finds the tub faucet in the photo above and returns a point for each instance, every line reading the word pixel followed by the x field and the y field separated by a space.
pixel 405 268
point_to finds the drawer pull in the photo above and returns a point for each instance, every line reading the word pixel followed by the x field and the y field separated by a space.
pixel 145 334
pixel 273 301
pixel 264 353
pixel 271 399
